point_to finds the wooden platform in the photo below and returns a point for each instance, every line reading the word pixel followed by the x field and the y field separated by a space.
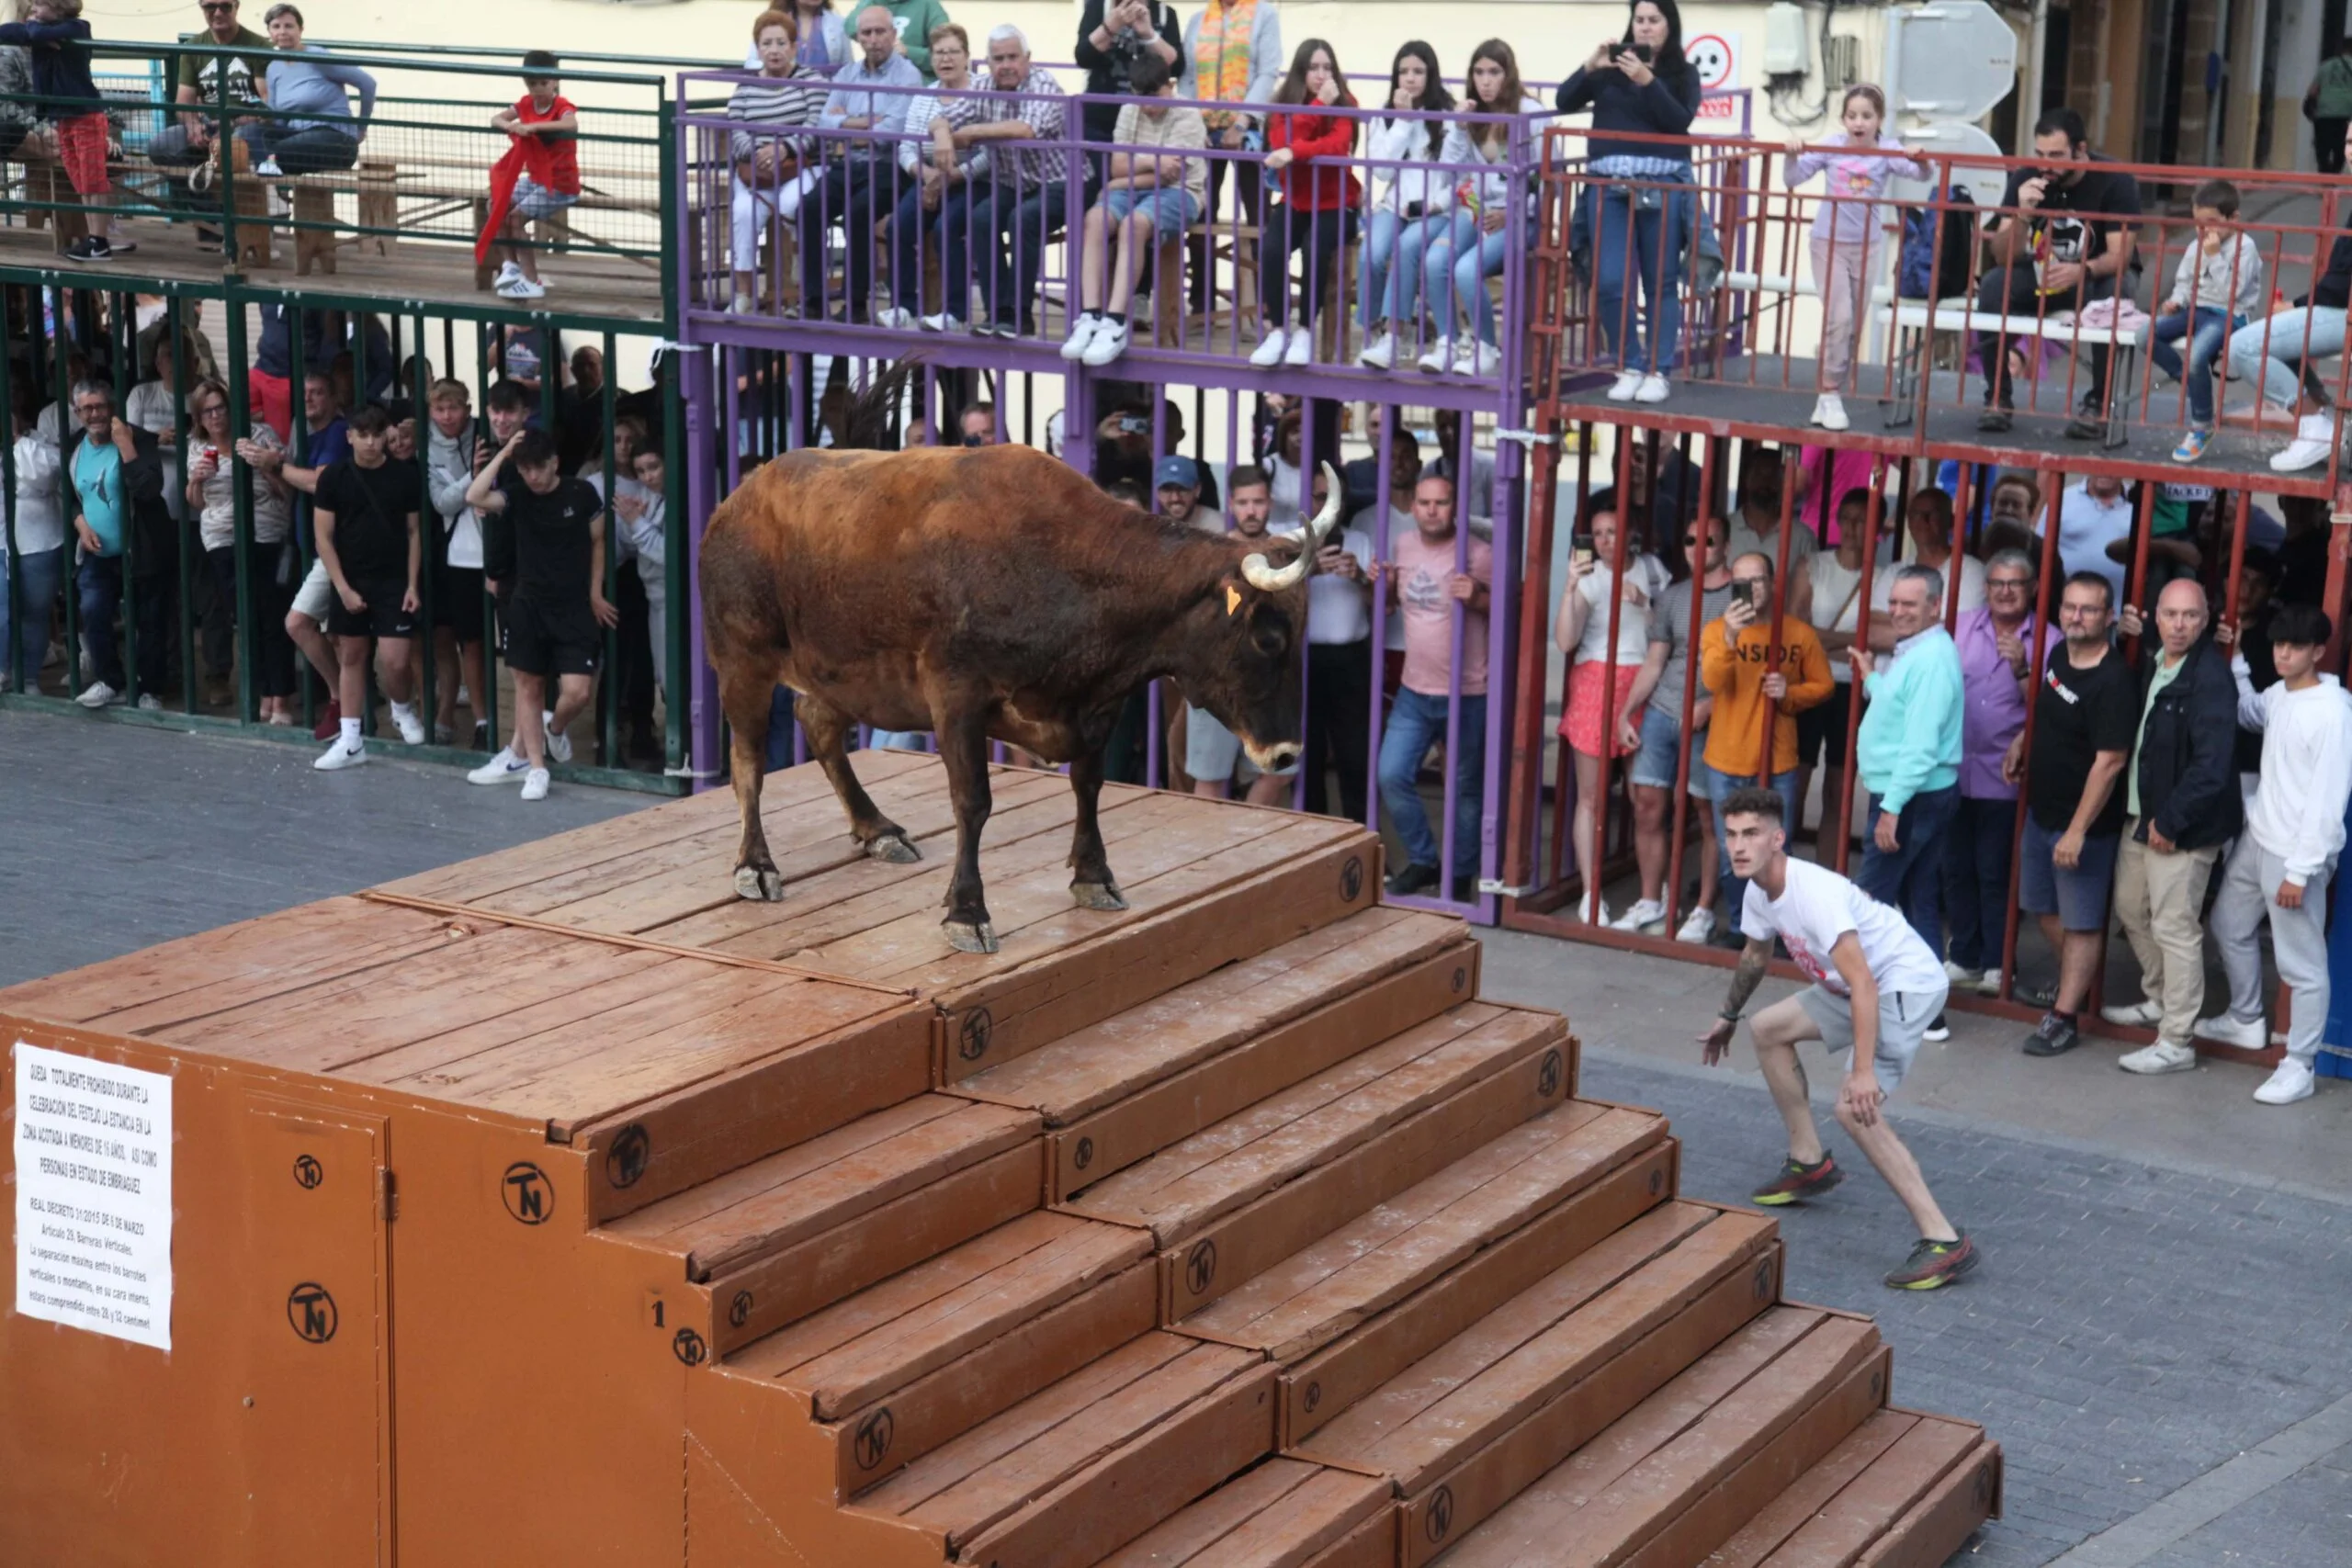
pixel 417 272
pixel 1231 1230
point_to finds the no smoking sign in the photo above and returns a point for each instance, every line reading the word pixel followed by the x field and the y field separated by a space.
pixel 1715 57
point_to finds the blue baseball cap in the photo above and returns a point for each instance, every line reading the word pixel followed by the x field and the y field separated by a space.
pixel 1176 471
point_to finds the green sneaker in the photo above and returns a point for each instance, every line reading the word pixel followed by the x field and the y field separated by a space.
pixel 1934 1264
pixel 1798 1182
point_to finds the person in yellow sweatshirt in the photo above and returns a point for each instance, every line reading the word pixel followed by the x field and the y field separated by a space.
pixel 1751 689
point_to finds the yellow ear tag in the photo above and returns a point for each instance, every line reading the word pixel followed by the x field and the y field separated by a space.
pixel 1232 599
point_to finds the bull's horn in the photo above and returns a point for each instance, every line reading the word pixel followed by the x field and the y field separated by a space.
pixel 1263 575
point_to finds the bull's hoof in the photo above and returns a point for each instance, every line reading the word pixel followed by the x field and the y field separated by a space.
pixel 896 848
pixel 1102 895
pixel 965 936
pixel 761 887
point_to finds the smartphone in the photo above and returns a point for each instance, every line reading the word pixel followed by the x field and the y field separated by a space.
pixel 975 439
pixel 1739 593
pixel 1643 53
pixel 1584 552
pixel 1134 424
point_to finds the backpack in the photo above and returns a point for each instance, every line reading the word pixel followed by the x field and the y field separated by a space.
pixel 1949 263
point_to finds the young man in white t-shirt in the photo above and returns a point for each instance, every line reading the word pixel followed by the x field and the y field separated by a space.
pixel 1875 988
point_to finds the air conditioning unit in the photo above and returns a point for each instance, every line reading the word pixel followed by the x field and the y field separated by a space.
pixel 1786 48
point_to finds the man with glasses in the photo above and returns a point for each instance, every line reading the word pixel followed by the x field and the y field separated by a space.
pixel 854 191
pixel 118 479
pixel 200 80
pixel 1997 645
pixel 1023 200
pixel 2073 821
pixel 1660 683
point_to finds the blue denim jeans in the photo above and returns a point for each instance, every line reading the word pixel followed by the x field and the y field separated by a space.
pixel 99 581
pixel 1459 260
pixel 2208 330
pixel 1719 789
pixel 1912 877
pixel 1012 227
pixel 25 606
pixel 2267 351
pixel 1976 879
pixel 1415 721
pixel 1654 251
pixel 1388 268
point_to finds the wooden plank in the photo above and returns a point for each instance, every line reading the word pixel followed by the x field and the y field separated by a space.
pixel 1859 1514
pixel 1325 1384
pixel 942 1404
pixel 1762 1537
pixel 776 1288
pixel 1372 1544
pixel 1115 1498
pixel 1941 1524
pixel 1279 1514
pixel 1229 1250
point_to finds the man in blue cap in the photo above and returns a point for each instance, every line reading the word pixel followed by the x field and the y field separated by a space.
pixel 1176 482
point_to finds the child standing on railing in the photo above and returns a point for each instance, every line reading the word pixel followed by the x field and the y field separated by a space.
pixel 59 41
pixel 1849 234
pixel 2219 287
pixel 539 176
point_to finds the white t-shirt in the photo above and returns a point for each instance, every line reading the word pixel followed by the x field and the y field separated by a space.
pixel 1971 583
pixel 1815 907
pixel 1599 587
pixel 1338 609
pixel 2086 525
pixel 1837 604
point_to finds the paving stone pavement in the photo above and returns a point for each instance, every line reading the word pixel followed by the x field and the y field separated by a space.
pixel 2133 1327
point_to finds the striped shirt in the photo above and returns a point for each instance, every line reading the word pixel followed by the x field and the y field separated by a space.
pixel 1040 109
pixel 958 112
pixel 776 100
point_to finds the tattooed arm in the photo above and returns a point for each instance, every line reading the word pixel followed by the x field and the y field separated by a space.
pixel 1753 960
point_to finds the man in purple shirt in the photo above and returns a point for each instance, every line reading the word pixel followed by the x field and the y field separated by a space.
pixel 1996 667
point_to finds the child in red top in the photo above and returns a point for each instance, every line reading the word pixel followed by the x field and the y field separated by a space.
pixel 539 174
pixel 1322 198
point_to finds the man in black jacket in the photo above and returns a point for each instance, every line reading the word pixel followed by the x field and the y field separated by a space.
pixel 2181 806
pixel 117 474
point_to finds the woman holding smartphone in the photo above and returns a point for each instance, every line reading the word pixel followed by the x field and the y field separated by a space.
pixel 1639 88
pixel 1605 698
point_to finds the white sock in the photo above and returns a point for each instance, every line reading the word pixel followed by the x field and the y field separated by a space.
pixel 402 710
pixel 351 741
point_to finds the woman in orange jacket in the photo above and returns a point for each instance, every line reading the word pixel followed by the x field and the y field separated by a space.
pixel 1321 199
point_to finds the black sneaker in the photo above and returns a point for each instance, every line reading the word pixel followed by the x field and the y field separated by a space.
pixel 1934 1264
pixel 1798 1182
pixel 1413 879
pixel 481 734
pixel 2085 427
pixel 2055 1037
pixel 122 247
pixel 89 248
pixel 1939 1029
pixel 1994 419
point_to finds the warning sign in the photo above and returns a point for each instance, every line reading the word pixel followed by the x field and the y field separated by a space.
pixel 1715 57
pixel 94 1195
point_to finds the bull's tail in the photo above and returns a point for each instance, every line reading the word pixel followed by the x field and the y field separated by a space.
pixel 871 424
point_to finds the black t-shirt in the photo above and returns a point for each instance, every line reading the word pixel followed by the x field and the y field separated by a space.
pixel 555 538
pixel 371 509
pixel 1107 69
pixel 2076 715
pixel 2058 234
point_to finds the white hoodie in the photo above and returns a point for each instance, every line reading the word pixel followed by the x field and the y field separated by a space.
pixel 2297 812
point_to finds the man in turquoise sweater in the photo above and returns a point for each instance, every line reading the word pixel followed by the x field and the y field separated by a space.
pixel 1907 754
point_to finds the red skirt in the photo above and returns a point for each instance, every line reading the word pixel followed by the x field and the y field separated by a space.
pixel 82 147
pixel 1592 701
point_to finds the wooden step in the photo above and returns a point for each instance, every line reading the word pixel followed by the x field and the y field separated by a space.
pixel 1118 1091
pixel 1678 1475
pixel 1484 1415
pixel 901 1368
pixel 1521 1188
pixel 1280 1514
pixel 1904 1488
pixel 1231 1201
pixel 1086 1465
pixel 784 1236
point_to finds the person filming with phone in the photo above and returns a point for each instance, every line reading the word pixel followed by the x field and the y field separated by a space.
pixel 1760 677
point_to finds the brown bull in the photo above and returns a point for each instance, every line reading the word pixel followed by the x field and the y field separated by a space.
pixel 983 592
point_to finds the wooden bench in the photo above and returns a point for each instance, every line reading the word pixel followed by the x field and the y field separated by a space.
pixel 1913 318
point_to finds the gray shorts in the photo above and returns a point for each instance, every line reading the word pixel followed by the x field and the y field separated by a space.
pixel 315 598
pixel 1903 1020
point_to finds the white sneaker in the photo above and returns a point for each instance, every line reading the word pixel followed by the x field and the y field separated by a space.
pixel 339 756
pixel 945 321
pixel 1479 359
pixel 2133 1015
pixel 743 305
pixel 535 784
pixel 1109 342
pixel 520 287
pixel 267 169
pixel 504 768
pixel 1653 389
pixel 558 745
pixel 897 318
pixel 2164 1056
pixel 2228 1029
pixel 1829 411
pixel 1380 353
pixel 2314 434
pixel 1439 358
pixel 1697 926
pixel 1269 352
pixel 1081 335
pixel 2289 1082
pixel 506 269
pixel 1301 348
pixel 1628 382
pixel 150 703
pixel 98 694
pixel 411 727
pixel 1960 975
pixel 1646 913
pixel 1990 985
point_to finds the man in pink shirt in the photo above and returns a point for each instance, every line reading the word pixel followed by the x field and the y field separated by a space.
pixel 1436 574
